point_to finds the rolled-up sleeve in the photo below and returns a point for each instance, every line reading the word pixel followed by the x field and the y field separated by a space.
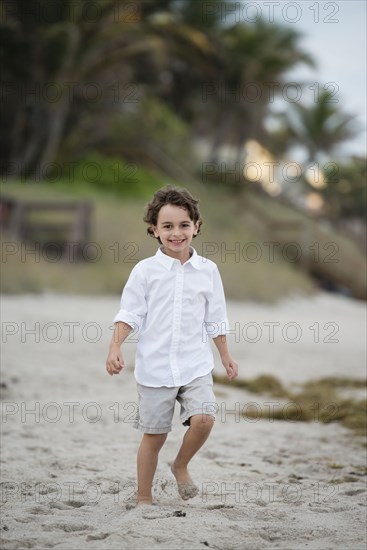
pixel 133 305
pixel 216 321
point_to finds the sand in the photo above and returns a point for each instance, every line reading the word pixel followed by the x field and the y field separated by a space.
pixel 69 449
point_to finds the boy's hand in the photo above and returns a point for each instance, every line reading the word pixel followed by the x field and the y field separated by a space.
pixel 115 362
pixel 231 367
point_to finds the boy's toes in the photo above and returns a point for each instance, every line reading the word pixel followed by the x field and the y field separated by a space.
pixel 187 490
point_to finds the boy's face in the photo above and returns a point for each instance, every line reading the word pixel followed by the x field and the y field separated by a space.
pixel 176 230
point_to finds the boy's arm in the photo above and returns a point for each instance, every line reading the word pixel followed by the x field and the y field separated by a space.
pixel 229 364
pixel 115 362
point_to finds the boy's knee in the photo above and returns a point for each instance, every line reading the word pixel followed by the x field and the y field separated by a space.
pixel 156 440
pixel 202 422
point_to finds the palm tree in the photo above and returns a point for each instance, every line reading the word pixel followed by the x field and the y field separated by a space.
pixel 320 127
pixel 345 192
pixel 253 59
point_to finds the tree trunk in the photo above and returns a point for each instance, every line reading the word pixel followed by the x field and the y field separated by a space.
pixel 59 115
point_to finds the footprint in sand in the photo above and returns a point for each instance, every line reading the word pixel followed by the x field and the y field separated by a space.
pixel 159 514
pixel 66 505
pixel 74 503
pixel 219 506
pixel 28 435
pixel 99 536
pixel 152 511
pixel 354 492
pixel 59 505
pixel 26 543
pixel 67 527
pixel 39 510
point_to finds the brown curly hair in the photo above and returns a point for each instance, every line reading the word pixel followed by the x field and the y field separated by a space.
pixel 171 195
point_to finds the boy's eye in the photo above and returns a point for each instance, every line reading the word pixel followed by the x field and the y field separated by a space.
pixel 183 225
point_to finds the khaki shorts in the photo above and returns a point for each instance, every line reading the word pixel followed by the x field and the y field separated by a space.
pixel 157 405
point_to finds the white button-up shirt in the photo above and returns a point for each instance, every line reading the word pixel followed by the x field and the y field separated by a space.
pixel 176 309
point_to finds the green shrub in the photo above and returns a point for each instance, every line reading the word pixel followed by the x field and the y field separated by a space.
pixel 112 174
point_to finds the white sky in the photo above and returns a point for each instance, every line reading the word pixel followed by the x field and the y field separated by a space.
pixel 338 44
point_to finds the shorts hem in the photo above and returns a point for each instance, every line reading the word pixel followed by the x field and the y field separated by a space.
pixel 196 412
pixel 146 430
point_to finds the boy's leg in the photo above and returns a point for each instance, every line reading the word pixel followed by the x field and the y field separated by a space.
pixel 155 413
pixel 147 461
pixel 194 439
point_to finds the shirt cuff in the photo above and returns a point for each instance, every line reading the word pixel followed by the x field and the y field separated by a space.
pixel 129 318
pixel 214 329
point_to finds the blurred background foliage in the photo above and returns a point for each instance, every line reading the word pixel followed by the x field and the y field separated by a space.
pixel 111 99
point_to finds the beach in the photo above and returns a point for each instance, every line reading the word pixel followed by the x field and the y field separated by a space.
pixel 68 459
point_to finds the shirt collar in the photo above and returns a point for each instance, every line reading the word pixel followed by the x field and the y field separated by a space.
pixel 168 261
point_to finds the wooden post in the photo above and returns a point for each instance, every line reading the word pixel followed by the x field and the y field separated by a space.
pixel 16 225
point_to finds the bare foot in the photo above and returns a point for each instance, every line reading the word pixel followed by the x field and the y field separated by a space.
pixel 144 502
pixel 186 487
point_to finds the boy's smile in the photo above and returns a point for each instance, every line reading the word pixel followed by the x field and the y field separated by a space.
pixel 176 230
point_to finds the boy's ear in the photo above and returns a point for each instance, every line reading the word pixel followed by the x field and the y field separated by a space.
pixel 155 230
pixel 196 228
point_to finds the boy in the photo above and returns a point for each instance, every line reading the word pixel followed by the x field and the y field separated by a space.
pixel 175 300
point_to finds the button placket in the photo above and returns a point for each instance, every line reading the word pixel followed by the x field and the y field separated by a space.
pixel 177 313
